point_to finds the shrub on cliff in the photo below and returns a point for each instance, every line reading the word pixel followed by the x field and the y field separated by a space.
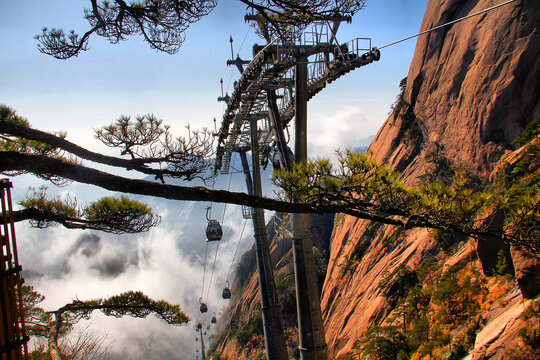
pixel 251 328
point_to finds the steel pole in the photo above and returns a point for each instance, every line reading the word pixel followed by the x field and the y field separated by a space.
pixel 276 348
pixel 203 355
pixel 277 129
pixel 247 174
pixel 311 332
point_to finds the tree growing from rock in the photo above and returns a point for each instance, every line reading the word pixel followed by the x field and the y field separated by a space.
pixel 358 186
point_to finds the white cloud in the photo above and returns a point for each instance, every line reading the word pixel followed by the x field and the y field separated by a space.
pixel 165 263
pixel 339 127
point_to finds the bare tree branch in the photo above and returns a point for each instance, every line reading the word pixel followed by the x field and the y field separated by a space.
pixel 183 158
pixel 161 23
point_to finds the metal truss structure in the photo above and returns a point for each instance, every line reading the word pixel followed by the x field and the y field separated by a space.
pixel 272 69
pixel 274 87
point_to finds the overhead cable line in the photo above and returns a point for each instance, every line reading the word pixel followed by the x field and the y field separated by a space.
pixel 217 247
pixel 204 271
pixel 215 259
pixel 212 274
pixel 214 180
pixel 234 256
pixel 243 41
pixel 446 24
pixel 239 49
pixel 232 70
pixel 228 189
pixel 234 222
pixel 236 251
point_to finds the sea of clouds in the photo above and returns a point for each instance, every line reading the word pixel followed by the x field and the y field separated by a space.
pixel 167 262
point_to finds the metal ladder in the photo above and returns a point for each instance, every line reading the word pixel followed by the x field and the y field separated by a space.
pixel 13 337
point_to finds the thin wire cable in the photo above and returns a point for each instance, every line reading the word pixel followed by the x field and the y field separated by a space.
pixel 232 70
pixel 214 180
pixel 219 243
pixel 228 189
pixel 448 23
pixel 204 271
pixel 234 256
pixel 209 214
pixel 215 259
pixel 233 222
pixel 236 251
pixel 245 37
pixel 213 268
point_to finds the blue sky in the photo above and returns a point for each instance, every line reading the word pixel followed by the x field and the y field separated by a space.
pixel 130 78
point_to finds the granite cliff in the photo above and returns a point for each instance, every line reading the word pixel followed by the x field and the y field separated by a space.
pixel 470 89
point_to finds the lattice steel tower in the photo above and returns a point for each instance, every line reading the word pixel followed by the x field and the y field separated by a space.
pixel 274 88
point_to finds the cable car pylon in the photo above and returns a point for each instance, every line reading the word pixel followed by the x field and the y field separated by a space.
pixel 238 62
pixel 271 311
pixel 273 88
pixel 199 328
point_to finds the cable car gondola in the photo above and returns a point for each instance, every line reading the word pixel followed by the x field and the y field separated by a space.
pixel 214 320
pixel 213 229
pixel 226 294
pixel 203 308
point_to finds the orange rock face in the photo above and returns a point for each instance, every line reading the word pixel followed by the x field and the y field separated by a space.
pixel 471 88
pixel 351 298
pixel 472 85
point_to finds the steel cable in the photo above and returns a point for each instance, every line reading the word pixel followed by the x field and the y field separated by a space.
pixel 236 251
pixel 448 23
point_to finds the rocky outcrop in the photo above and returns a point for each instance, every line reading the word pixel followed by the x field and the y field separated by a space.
pixel 471 88
pixel 352 300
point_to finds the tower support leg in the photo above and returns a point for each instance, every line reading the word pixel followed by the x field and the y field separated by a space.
pixel 276 348
pixel 312 343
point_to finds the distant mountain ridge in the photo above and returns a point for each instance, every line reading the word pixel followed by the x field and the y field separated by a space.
pixel 363 145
